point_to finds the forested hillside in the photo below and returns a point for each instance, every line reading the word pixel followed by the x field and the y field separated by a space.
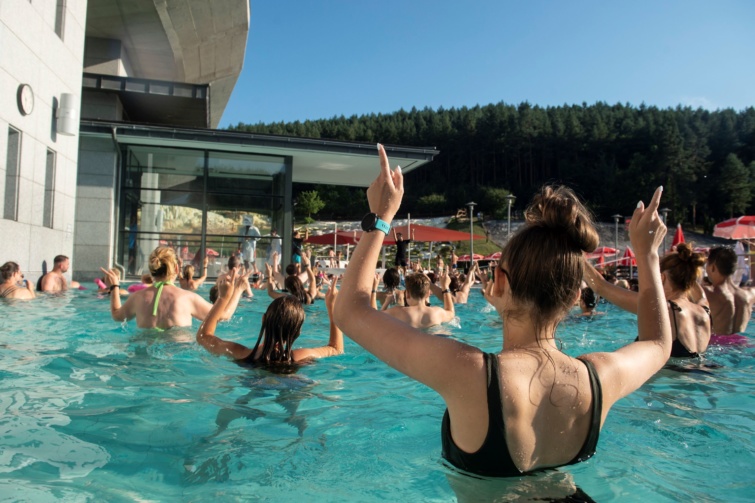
pixel 612 155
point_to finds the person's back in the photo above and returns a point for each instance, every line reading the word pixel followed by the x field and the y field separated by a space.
pixel 551 405
pixel 12 283
pixel 727 310
pixel 743 300
pixel 162 305
pixel 418 314
pixel 54 281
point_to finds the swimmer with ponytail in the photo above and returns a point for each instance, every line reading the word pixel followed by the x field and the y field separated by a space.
pixel 529 406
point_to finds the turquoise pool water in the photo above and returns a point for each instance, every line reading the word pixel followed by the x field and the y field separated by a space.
pixel 92 410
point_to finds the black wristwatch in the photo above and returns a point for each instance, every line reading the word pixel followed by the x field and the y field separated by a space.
pixel 371 221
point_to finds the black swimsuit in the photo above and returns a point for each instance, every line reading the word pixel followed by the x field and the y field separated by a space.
pixel 678 350
pixel 493 459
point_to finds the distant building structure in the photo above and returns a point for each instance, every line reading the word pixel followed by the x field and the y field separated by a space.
pixel 107 141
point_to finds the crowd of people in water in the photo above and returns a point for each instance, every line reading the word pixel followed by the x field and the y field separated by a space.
pixel 525 408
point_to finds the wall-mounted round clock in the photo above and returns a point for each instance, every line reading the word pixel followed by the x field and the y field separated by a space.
pixel 25 98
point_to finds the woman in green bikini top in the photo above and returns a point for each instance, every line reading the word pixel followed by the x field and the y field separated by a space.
pixel 163 305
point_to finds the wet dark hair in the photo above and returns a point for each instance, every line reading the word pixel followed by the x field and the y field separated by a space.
pixel 233 262
pixel 214 293
pixel 684 267
pixel 544 258
pixel 391 278
pixel 59 259
pixel 291 269
pixel 281 326
pixel 589 298
pixel 455 284
pixel 295 288
pixel 8 270
pixel 724 258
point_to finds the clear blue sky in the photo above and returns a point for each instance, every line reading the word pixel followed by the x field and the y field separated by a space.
pixel 313 59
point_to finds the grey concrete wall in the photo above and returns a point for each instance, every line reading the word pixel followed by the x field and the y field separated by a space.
pixel 95 207
pixel 32 53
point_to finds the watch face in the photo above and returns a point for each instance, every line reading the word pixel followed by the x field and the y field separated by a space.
pixel 25 99
pixel 369 221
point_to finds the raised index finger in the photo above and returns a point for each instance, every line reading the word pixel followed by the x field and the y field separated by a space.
pixel 656 200
pixel 385 166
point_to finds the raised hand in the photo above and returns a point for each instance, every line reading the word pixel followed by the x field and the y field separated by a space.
pixel 111 276
pixel 646 230
pixel 331 294
pixel 226 283
pixel 387 190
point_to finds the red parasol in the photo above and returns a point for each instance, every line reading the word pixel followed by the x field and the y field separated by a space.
pixel 212 253
pixel 339 238
pixel 736 228
pixel 678 237
pixel 602 251
pixel 426 234
pixel 628 258
pixel 493 256
pixel 465 258
pixel 601 262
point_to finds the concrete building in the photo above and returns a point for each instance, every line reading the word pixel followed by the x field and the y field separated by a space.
pixel 143 167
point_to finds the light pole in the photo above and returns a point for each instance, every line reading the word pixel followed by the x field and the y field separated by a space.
pixel 665 212
pixel 471 231
pixel 616 219
pixel 510 200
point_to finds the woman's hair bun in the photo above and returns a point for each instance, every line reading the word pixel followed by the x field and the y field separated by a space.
pixel 559 209
pixel 687 254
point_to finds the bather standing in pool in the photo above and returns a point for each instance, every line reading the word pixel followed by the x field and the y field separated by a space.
pixel 529 406
pixel 13 285
pixel 690 320
pixel 162 304
pixel 281 326
pixel 730 305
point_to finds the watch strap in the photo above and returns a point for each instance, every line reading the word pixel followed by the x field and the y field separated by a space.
pixel 382 225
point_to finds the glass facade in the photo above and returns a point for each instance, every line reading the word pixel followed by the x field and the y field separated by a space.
pixel 201 203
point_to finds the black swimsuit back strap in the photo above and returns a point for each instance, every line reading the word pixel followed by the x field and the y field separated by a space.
pixel 591 442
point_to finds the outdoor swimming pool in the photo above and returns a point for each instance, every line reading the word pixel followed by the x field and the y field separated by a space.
pixel 94 411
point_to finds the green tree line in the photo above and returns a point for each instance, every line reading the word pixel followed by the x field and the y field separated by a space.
pixel 612 155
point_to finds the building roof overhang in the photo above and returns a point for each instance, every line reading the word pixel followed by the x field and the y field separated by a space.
pixel 314 160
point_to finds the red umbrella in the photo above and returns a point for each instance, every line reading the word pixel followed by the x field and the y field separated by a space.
pixel 493 256
pixel 427 234
pixel 212 253
pixel 602 251
pixel 678 237
pixel 339 238
pixel 601 262
pixel 628 258
pixel 736 228
pixel 465 258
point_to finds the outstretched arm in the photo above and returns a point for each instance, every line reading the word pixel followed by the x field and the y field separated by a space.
pixel 626 369
pixel 448 299
pixel 206 333
pixel 335 342
pixel 118 312
pixel 435 361
pixel 620 297
pixel 306 263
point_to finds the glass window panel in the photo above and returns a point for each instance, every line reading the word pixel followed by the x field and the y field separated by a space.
pixel 12 174
pixel 248 173
pixel 165 168
pixel 49 202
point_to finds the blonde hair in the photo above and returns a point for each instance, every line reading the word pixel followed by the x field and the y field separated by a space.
pixel 163 263
pixel 188 272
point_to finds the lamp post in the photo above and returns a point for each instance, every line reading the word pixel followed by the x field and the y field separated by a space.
pixel 616 219
pixel 510 200
pixel 471 230
pixel 665 212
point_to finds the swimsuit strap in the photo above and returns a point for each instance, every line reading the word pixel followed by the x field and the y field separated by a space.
pixel 675 309
pixel 159 285
pixel 591 442
pixel 8 290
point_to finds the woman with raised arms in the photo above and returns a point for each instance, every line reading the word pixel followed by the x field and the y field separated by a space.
pixel 529 406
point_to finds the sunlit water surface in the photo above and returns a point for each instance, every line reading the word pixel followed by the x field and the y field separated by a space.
pixel 92 410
